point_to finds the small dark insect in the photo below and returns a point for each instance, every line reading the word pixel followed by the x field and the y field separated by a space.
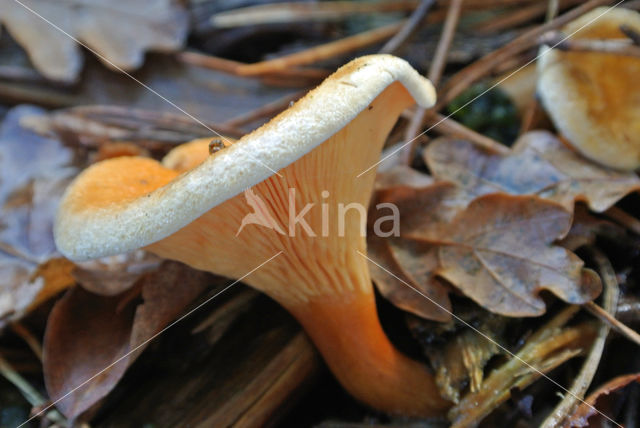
pixel 216 145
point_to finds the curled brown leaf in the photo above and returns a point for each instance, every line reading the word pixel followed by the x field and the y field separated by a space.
pixel 499 252
pixel 91 339
pixel 539 164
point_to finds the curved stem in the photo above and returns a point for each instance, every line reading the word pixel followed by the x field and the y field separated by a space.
pixel 348 333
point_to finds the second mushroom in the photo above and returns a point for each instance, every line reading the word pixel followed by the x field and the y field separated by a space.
pixel 296 234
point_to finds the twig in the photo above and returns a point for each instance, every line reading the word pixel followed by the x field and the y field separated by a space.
pixel 436 68
pixel 618 326
pixel 553 8
pixel 293 12
pixel 532 116
pixel 448 126
pixel 409 27
pixel 435 73
pixel 28 391
pixel 229 66
pixel 266 110
pixel 28 337
pixel 322 52
pixel 587 372
pixel 519 16
pixel 616 47
pixel 479 69
pixel 623 218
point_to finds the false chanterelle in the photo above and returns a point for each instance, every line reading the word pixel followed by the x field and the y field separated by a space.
pixel 296 234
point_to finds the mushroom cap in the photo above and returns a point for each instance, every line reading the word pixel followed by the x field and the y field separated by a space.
pixel 593 97
pixel 152 202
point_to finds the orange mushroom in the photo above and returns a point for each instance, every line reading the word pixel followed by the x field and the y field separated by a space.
pixel 307 260
pixel 593 97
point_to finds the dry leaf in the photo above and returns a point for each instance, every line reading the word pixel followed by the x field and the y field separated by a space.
pixel 87 333
pixel 585 414
pixel 498 252
pixel 34 171
pixel 538 165
pixel 119 30
pixel 397 263
pixel 409 268
pixel 109 276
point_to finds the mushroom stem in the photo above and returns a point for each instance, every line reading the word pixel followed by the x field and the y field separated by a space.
pixel 347 332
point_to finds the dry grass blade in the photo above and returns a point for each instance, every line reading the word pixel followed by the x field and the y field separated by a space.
pixel 435 73
pixel 288 12
pixel 322 52
pixel 582 381
pixel 265 111
pixel 520 16
pixel 29 392
pixel 546 349
pixel 409 27
pixel 446 125
pixel 588 409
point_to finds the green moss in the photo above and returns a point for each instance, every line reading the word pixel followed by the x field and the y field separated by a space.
pixel 492 114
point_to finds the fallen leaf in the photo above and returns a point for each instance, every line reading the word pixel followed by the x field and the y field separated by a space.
pixel 34 171
pixel 56 274
pixel 109 276
pixel 87 333
pixel 538 165
pixel 585 414
pixel 120 31
pixel 499 252
pixel 398 269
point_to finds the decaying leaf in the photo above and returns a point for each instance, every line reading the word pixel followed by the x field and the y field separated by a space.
pixel 113 275
pixel 87 333
pixel 403 274
pixel 399 270
pixel 586 415
pixel 498 252
pixel 120 31
pixel 34 171
pixel 496 249
pixel 538 165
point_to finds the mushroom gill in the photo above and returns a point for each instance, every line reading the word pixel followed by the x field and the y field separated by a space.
pixel 230 214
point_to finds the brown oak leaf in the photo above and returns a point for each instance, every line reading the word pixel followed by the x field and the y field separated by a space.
pixel 87 333
pixel 499 252
pixel 538 165
pixel 120 31
pixel 403 270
